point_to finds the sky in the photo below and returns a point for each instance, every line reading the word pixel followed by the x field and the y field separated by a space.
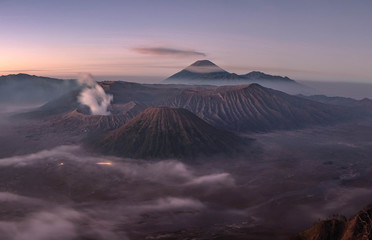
pixel 143 40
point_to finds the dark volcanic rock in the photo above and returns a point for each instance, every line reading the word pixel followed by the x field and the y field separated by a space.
pixel 358 227
pixel 166 133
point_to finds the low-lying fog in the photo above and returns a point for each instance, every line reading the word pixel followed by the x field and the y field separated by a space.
pixel 288 181
pixel 343 89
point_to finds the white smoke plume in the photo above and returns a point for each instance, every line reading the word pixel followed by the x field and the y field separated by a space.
pixel 94 96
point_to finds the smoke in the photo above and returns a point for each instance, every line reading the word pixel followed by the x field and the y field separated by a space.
pixel 94 96
pixel 86 79
pixel 96 99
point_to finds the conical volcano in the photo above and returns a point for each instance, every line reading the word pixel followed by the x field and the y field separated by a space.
pixel 203 63
pixel 201 70
pixel 164 132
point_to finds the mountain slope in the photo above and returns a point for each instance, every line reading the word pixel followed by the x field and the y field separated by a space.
pixel 204 66
pixel 253 108
pixel 360 108
pixel 24 88
pixel 79 122
pixel 123 93
pixel 202 70
pixel 66 115
pixel 246 108
pixel 358 227
pixel 256 75
pixel 340 101
pixel 166 133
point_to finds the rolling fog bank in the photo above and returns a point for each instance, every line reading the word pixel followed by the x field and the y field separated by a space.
pixel 52 188
pixel 342 89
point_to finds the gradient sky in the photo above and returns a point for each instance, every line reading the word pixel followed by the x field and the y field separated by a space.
pixel 306 40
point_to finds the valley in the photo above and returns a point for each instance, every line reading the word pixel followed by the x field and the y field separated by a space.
pixel 299 176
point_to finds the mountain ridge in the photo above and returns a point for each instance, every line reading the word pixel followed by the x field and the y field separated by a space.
pixel 25 88
pixel 253 108
pixel 203 70
pixel 359 227
pixel 245 108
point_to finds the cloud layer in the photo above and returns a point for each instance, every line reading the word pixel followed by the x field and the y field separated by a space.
pixel 140 191
pixel 289 178
pixel 162 51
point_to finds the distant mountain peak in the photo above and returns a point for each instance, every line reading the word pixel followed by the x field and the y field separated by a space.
pixel 203 63
pixel 204 66
pixel 206 72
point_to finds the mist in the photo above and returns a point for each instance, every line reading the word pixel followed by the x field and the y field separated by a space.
pixel 73 198
pixel 23 89
pixel 344 89
pixel 287 87
pixel 297 176
pixel 341 89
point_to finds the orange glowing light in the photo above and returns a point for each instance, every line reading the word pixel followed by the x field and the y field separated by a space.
pixel 104 163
